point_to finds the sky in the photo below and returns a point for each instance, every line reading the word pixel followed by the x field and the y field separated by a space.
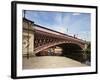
pixel 71 23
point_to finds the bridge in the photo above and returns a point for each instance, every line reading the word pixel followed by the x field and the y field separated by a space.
pixel 38 39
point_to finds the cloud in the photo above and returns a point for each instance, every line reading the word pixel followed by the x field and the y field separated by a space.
pixel 76 14
pixel 61 29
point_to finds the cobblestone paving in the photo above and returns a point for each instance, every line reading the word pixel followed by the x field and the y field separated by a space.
pixel 50 62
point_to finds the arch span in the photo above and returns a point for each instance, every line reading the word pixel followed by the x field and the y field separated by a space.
pixel 71 50
pixel 43 47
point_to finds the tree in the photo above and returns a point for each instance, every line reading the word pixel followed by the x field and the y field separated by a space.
pixel 87 51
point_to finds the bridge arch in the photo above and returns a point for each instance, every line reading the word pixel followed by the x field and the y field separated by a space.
pixel 43 47
pixel 71 50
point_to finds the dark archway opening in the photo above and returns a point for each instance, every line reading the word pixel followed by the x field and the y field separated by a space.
pixel 72 51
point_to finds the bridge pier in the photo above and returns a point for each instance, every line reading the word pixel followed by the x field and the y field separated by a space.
pixel 27 39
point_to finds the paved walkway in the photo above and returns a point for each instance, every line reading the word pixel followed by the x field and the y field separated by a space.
pixel 50 62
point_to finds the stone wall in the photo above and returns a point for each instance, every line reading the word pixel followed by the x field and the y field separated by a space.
pixel 28 39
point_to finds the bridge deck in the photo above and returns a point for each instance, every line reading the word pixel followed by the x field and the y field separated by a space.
pixel 50 62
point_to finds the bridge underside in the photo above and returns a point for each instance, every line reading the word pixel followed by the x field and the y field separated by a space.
pixel 70 50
